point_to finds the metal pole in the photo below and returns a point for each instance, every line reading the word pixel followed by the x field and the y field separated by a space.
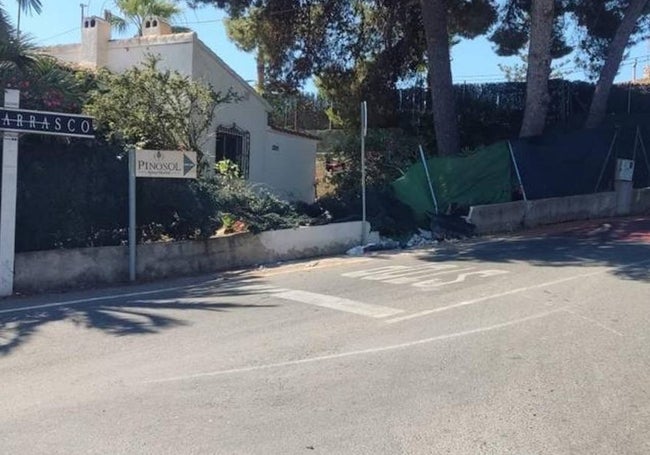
pixel 645 155
pixel 8 200
pixel 364 131
pixel 629 99
pixel 426 172
pixel 609 153
pixel 514 161
pixel 132 240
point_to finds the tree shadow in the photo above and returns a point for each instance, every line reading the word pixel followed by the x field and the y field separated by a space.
pixel 126 314
pixel 623 245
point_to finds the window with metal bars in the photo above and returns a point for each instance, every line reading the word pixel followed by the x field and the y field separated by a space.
pixel 233 143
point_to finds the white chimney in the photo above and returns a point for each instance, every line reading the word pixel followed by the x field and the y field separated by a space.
pixel 95 35
pixel 155 26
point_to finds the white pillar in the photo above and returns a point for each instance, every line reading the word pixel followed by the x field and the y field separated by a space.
pixel 8 201
pixel 623 185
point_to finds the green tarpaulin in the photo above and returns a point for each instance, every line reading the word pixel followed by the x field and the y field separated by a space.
pixel 482 177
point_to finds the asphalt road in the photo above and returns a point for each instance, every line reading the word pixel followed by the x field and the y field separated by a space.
pixel 534 344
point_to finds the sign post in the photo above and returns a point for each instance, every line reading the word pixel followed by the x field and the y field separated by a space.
pixel 154 164
pixel 364 131
pixel 14 121
pixel 132 240
pixel 8 207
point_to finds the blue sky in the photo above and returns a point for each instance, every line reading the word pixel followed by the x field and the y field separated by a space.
pixel 472 60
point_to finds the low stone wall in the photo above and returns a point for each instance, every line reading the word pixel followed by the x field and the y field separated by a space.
pixel 506 217
pixel 641 202
pixel 520 214
pixel 561 209
pixel 73 268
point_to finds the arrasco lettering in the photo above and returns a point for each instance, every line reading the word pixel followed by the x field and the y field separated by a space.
pixel 24 121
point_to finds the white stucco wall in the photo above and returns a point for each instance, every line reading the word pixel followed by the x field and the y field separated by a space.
pixel 290 166
pixel 249 113
pixel 175 52
pixel 287 171
pixel 70 53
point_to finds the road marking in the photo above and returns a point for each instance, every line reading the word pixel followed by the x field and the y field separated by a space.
pixel 401 274
pixel 359 352
pixel 336 303
pixel 414 277
pixel 321 300
pixel 511 292
pixel 305 267
pixel 377 270
pixel 420 277
pixel 436 283
pixel 312 298
pixel 593 321
pixel 94 299
pixel 491 297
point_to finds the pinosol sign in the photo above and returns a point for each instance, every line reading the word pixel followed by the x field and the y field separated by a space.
pixel 165 164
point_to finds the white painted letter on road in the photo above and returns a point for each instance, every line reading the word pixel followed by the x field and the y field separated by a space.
pixel 422 277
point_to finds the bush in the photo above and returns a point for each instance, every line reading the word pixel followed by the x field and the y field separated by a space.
pixel 258 209
pixel 385 213
pixel 74 193
pixel 71 193
pixel 389 152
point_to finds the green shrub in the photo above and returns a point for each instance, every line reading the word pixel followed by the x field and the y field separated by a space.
pixel 74 193
pixel 385 213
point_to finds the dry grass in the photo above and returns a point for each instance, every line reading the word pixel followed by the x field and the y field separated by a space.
pixel 323 186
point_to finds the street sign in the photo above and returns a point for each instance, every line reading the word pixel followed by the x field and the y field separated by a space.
pixel 170 164
pixel 42 122
pixel 165 164
pixel 14 121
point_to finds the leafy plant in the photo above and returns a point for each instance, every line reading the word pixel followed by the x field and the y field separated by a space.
pixel 156 109
pixel 135 11
pixel 228 169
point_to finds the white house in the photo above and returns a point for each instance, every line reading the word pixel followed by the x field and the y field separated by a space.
pixel 280 160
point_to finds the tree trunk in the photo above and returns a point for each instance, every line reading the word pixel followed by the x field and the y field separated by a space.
pixel 615 52
pixel 445 121
pixel 259 61
pixel 539 67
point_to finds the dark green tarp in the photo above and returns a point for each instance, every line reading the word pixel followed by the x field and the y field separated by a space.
pixel 482 177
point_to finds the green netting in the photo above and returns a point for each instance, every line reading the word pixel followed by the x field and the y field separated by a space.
pixel 482 177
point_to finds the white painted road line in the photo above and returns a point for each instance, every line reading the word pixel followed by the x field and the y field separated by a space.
pixel 491 297
pixel 337 303
pixel 92 299
pixel 595 322
pixel 357 353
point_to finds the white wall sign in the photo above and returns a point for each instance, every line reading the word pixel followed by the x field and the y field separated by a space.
pixel 165 164
pixel 624 170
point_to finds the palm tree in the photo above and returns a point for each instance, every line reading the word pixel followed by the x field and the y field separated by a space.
pixel 27 6
pixel 135 12
pixel 15 51
pixel 6 30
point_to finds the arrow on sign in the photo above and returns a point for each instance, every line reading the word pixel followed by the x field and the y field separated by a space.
pixel 188 164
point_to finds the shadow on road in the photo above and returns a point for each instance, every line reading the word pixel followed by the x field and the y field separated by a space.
pixel 622 245
pixel 119 316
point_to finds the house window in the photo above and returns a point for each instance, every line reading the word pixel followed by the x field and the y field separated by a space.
pixel 234 144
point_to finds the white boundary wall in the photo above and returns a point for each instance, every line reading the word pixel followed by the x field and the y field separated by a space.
pixel 512 216
pixel 82 267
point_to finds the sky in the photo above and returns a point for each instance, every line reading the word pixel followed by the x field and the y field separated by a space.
pixel 472 60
